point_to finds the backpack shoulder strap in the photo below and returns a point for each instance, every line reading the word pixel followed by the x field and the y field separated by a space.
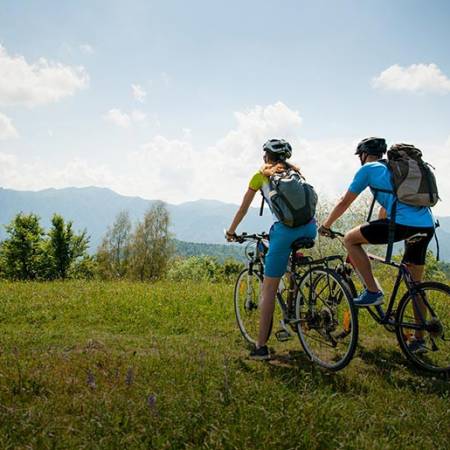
pixel 391 232
pixel 261 208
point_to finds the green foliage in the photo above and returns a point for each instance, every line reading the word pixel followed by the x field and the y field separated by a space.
pixel 151 245
pixel 85 268
pixel 195 268
pixel 434 269
pixel 231 268
pixel 203 268
pixel 29 254
pixel 64 248
pixel 22 252
pixel 113 254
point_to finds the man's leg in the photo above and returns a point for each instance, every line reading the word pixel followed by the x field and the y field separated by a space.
pixel 353 241
pixel 419 308
pixel 267 306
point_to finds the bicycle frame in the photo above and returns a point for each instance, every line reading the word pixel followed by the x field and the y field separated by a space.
pixel 386 317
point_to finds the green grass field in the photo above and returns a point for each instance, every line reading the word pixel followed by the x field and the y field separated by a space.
pixel 87 365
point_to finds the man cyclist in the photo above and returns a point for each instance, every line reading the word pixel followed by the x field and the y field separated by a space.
pixel 414 225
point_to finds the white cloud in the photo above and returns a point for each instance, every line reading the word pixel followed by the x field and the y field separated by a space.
pixel 122 119
pixel 7 130
pixel 138 93
pixel 35 174
pixel 421 78
pixel 117 117
pixel 87 49
pixel 37 83
pixel 172 169
pixel 175 170
pixel 138 116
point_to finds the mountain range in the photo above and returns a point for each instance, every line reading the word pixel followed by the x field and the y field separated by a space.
pixel 94 209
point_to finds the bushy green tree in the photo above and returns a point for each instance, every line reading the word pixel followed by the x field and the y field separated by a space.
pixel 151 244
pixel 22 252
pixel 113 254
pixel 65 248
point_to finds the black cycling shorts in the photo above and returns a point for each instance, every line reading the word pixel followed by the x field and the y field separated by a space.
pixel 416 238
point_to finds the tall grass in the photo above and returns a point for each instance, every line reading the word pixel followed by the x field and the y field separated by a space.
pixel 87 365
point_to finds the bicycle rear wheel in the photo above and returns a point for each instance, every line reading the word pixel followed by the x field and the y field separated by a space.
pixel 327 318
pixel 247 295
pixel 435 305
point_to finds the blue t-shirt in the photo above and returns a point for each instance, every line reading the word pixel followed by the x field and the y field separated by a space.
pixel 377 175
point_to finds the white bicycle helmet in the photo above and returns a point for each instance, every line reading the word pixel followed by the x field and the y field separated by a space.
pixel 278 147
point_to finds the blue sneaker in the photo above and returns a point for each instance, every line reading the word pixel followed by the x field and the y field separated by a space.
pixel 368 298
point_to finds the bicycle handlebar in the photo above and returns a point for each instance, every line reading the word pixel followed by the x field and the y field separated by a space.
pixel 241 238
pixel 328 232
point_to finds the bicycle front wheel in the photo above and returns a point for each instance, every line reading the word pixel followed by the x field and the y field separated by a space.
pixel 247 296
pixel 327 318
pixel 426 315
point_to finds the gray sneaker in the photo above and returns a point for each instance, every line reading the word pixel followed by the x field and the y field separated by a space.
pixel 417 346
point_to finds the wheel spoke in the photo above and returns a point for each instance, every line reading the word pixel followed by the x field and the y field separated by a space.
pixel 329 329
pixel 427 319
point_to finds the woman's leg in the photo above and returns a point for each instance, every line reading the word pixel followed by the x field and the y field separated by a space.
pixel 267 306
pixel 281 238
pixel 353 241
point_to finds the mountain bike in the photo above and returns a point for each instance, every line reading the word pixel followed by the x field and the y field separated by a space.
pixel 424 308
pixel 315 302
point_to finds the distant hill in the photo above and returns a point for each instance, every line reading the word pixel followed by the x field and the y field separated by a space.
pixel 199 221
pixel 95 209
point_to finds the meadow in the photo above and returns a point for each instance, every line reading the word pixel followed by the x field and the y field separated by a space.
pixel 123 365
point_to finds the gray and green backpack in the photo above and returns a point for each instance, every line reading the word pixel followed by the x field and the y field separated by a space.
pixel 293 200
pixel 413 181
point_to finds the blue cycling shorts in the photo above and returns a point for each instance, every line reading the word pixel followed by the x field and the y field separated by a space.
pixel 281 238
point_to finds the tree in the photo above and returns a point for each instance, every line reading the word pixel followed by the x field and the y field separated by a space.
pixel 64 247
pixel 113 254
pixel 151 246
pixel 22 252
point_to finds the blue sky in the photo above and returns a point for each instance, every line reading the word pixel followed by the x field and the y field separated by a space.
pixel 216 78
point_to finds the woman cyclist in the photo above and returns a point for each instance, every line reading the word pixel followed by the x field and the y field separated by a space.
pixel 276 153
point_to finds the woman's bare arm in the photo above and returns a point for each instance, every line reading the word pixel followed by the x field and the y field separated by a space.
pixel 242 211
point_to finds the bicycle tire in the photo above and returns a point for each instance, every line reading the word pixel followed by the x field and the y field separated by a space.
pixel 247 309
pixel 324 334
pixel 437 336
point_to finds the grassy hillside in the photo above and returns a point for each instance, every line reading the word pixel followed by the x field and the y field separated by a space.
pixel 123 365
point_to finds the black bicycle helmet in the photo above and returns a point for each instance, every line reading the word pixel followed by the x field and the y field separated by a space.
pixel 278 147
pixel 372 146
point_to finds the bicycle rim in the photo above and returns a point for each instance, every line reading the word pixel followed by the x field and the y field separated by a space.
pixel 247 294
pixel 328 321
pixel 435 330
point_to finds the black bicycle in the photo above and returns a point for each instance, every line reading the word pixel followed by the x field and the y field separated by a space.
pixel 315 301
pixel 423 312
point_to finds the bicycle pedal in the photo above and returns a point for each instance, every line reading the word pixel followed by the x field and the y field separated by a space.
pixel 283 335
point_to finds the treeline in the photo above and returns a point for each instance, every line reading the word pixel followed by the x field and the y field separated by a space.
pixel 144 251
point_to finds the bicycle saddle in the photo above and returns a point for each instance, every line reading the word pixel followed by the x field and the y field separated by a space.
pixel 302 243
